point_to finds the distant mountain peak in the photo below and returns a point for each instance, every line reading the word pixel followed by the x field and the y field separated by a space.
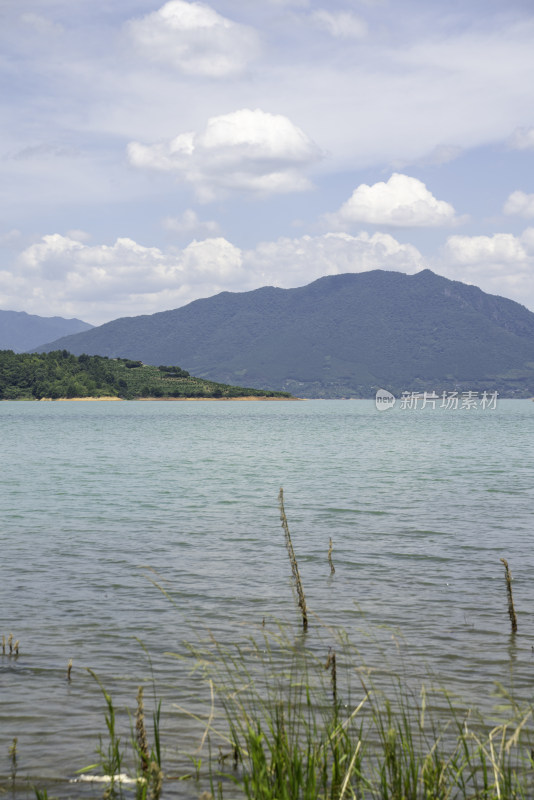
pixel 20 331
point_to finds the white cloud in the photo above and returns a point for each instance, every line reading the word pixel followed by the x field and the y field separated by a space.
pixel 194 39
pixel 501 264
pixel 294 262
pixel 190 223
pixel 61 275
pixel 519 203
pixel 522 139
pixel 489 252
pixel 402 202
pixel 341 24
pixel 248 150
pixel 127 267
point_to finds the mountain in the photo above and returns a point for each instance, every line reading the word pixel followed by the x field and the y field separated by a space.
pixel 21 332
pixel 340 336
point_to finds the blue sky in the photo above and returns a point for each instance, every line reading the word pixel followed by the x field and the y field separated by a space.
pixel 152 153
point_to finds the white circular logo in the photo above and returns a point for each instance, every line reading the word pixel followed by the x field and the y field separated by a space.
pixel 384 400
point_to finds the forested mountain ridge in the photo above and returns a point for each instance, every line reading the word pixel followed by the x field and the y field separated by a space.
pixel 342 335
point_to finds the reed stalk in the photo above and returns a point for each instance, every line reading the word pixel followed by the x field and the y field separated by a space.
pixel 69 669
pixel 331 665
pixel 13 758
pixel 330 550
pixel 10 643
pixel 511 609
pixel 140 732
pixel 293 561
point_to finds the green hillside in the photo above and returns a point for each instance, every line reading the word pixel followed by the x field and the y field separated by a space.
pixel 61 375
pixel 340 336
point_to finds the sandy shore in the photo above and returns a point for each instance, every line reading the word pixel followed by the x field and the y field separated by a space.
pixel 74 399
pixel 213 399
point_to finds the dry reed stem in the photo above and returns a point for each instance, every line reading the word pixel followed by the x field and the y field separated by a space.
pixel 69 669
pixel 3 645
pixel 10 643
pixel 331 665
pixel 140 731
pixel 16 647
pixel 13 754
pixel 330 550
pixel 349 771
pixel 210 719
pixel 511 609
pixel 293 561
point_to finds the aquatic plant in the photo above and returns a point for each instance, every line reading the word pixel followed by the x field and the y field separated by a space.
pixel 385 741
pixel 511 609
pixel 330 551
pixel 293 561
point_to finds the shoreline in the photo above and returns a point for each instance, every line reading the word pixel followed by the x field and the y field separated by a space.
pixel 165 399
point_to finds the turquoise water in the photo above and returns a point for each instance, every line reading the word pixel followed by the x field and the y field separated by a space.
pixel 101 500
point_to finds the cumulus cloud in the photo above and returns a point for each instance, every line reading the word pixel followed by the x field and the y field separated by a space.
pixel 487 251
pixel 341 24
pixel 402 202
pixel 62 275
pixel 249 150
pixel 500 264
pixel 101 282
pixel 194 39
pixel 522 139
pixel 189 223
pixel 292 262
pixel 126 266
pixel 520 204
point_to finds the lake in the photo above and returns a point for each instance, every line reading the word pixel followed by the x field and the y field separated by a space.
pixel 135 527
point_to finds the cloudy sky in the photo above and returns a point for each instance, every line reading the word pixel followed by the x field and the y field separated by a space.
pixel 152 153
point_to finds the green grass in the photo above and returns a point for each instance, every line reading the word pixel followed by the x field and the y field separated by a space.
pixel 291 737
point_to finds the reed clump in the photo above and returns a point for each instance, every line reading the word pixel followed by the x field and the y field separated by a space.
pixel 293 561
pixel 13 646
pixel 378 742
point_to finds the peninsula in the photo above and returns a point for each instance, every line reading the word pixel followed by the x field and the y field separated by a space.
pixel 59 375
